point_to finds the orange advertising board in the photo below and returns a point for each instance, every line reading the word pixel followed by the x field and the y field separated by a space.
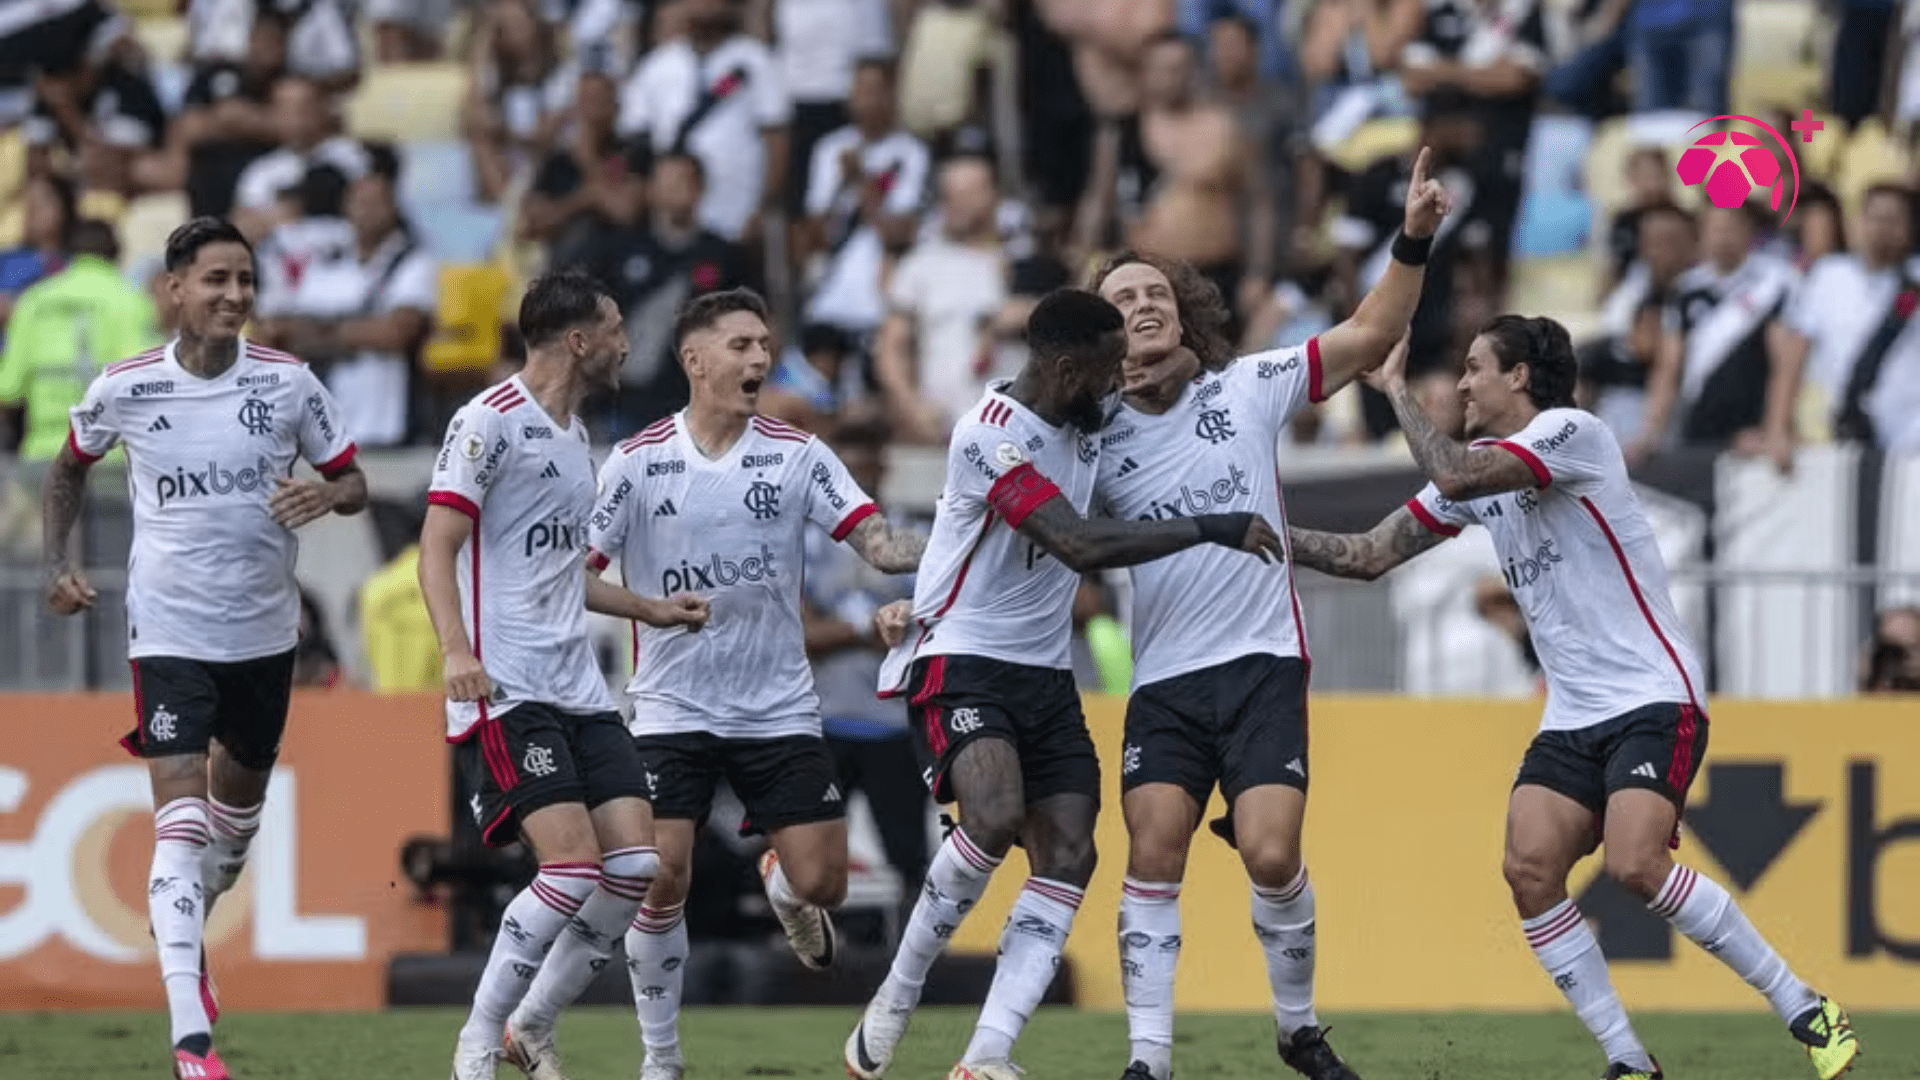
pixel 314 919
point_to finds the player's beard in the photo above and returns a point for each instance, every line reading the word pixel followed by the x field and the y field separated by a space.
pixel 1088 412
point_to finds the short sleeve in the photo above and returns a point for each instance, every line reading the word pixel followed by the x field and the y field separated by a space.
pixel 1802 314
pixel 985 464
pixel 94 424
pixel 1281 382
pixel 1562 446
pixel 607 527
pixel 903 292
pixel 907 184
pixel 255 188
pixel 636 113
pixel 834 501
pixel 771 106
pixel 823 175
pixel 415 284
pixel 324 441
pixel 1441 515
pixel 469 460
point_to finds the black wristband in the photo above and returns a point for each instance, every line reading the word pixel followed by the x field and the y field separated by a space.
pixel 1413 252
pixel 1227 530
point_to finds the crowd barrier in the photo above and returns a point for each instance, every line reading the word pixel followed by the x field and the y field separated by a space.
pixel 1809 813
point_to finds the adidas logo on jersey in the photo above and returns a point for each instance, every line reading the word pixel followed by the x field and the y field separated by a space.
pixel 1127 466
pixel 160 425
pixel 1647 770
pixel 665 509
pixel 551 472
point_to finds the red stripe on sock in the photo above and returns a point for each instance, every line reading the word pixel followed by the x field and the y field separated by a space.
pixel 1063 894
pixel 1544 935
pixel 975 858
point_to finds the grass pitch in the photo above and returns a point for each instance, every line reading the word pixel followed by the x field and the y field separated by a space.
pixel 1061 1044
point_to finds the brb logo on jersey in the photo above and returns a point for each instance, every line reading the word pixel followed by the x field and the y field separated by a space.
pixel 213 481
pixel 717 572
pixel 1733 164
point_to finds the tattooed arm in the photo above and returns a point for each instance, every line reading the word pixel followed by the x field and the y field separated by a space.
pixel 885 546
pixel 1460 472
pixel 67 588
pixel 1364 556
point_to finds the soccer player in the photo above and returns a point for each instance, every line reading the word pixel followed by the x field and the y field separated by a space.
pixel 987 669
pixel 544 754
pixel 212 425
pixel 1220 651
pixel 717 499
pixel 1625 727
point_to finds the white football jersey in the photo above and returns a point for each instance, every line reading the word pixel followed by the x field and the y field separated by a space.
pixel 210 575
pixel 1214 452
pixel 733 530
pixel 527 483
pixel 1581 558
pixel 983 589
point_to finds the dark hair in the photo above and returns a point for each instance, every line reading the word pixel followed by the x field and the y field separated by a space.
pixel 702 312
pixel 185 242
pixel 322 192
pixel 1547 350
pixel 91 236
pixel 1668 208
pixel 699 167
pixel 885 65
pixel 559 301
pixel 1204 315
pixel 382 160
pixel 1071 323
pixel 1900 192
pixel 1233 16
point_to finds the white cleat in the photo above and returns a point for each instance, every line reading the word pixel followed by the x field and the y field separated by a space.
pixel 531 1050
pixel 870 1047
pixel 809 930
pixel 475 1061
pixel 987 1070
pixel 661 1068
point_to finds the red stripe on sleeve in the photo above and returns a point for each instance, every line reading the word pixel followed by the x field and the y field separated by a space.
pixel 73 444
pixel 597 560
pixel 859 515
pixel 1316 391
pixel 339 462
pixel 1540 473
pixel 1020 492
pixel 455 500
pixel 1432 523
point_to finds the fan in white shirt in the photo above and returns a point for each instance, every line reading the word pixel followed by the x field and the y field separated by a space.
pixel 1625 726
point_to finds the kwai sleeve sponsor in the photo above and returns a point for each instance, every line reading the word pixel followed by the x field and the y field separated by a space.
pixel 324 442
pixel 1282 381
pixel 607 528
pixel 1439 513
pixel 834 501
pixel 94 424
pixel 470 460
pixel 1566 447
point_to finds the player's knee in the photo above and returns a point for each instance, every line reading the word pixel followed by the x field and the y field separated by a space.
pixel 1530 878
pixel 992 821
pixel 669 886
pixel 1157 856
pixel 821 882
pixel 1066 858
pixel 1641 873
pixel 1271 862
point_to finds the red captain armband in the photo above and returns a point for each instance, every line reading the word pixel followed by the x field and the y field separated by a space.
pixel 1019 492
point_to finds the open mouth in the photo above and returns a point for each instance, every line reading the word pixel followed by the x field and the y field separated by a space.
pixel 1148 324
pixel 752 386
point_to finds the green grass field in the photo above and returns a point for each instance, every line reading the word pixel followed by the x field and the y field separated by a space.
pixel 724 1044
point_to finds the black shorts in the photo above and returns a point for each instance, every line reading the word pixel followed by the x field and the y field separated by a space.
pixel 1655 747
pixel 1240 724
pixel 954 700
pixel 181 705
pixel 782 781
pixel 57 45
pixel 534 756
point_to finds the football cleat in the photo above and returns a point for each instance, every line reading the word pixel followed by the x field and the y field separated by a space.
pixel 1307 1052
pixel 188 1065
pixel 987 1070
pixel 1620 1070
pixel 870 1047
pixel 1828 1034
pixel 809 929
pixel 475 1061
pixel 531 1051
pixel 661 1068
pixel 1139 1071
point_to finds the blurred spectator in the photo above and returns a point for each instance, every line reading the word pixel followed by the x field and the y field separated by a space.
pixel 587 183
pixel 1649 183
pixel 302 118
pixel 322 43
pixel 64 330
pixel 1615 368
pixel 359 313
pixel 1680 54
pixel 867 734
pixel 1593 60
pixel 1271 59
pixel 403 655
pixel 949 48
pixel 124 123
pixel 1494 52
pixel 716 94
pixel 1209 202
pixel 227 120
pixel 820 43
pixel 1109 46
pixel 948 308
pixel 654 266
pixel 1346 49
pixel 1102 657
pixel 519 91
pixel 408 31
pixel 1892 660
pixel 1867 32
pixel 1494 602
pixel 1818 228
pixel 1056 123
pixel 1276 152
pixel 867 184
pixel 1713 365
pixel 1846 339
pixel 48 219
pixel 49 51
pixel 315 663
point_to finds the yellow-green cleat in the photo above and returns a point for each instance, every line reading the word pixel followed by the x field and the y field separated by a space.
pixel 1828 1035
pixel 1620 1070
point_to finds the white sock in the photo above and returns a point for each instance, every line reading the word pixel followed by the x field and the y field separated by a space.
pixel 527 930
pixel 1030 948
pixel 657 964
pixel 175 904
pixel 1698 907
pixel 780 892
pixel 1566 947
pixel 1283 921
pixel 233 829
pixel 1149 953
pixel 955 879
pixel 580 953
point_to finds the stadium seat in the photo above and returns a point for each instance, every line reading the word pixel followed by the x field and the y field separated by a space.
pixel 1562 287
pixel 406 102
pixel 1773 32
pixel 1761 87
pixel 1374 140
pixel 165 38
pixel 1870 157
pixel 144 227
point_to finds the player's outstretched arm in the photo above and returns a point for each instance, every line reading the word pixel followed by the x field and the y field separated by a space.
pixel 1461 472
pixel 885 546
pixel 67 588
pixel 1365 556
pixel 1089 544
pixel 1363 341
pixel 680 609
pixel 441 535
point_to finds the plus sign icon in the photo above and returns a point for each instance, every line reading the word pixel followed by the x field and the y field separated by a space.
pixel 1735 161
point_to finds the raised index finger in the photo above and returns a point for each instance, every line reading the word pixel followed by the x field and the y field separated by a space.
pixel 1419 181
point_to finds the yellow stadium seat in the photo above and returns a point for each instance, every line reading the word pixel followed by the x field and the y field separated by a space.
pixel 1870 157
pixel 466 332
pixel 147 222
pixel 406 102
pixel 1773 31
pixel 1374 140
pixel 1761 87
pixel 1562 287
pixel 165 39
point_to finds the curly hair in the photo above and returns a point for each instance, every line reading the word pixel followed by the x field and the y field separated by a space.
pixel 1204 316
